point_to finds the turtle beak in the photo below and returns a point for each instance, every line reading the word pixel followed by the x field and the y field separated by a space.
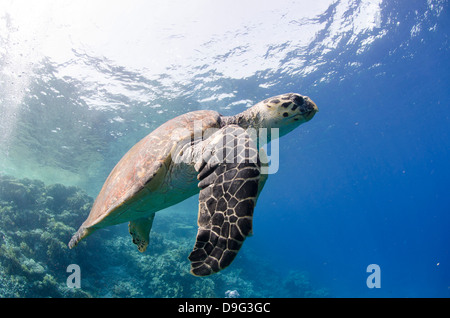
pixel 311 107
pixel 307 108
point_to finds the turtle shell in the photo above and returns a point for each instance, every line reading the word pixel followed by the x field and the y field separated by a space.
pixel 143 168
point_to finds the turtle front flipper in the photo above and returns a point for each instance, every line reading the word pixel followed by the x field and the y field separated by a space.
pixel 140 231
pixel 229 176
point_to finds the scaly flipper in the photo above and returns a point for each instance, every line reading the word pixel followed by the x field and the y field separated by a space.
pixel 229 176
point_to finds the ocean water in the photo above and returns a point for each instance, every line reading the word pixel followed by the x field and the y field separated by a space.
pixel 366 181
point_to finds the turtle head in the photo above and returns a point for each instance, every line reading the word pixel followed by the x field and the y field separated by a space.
pixel 285 112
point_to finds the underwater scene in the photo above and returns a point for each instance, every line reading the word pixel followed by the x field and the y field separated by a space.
pixel 357 198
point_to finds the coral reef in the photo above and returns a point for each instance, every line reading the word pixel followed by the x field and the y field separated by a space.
pixel 37 221
pixel 232 294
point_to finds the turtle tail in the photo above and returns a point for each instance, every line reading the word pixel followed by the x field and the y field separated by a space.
pixel 78 236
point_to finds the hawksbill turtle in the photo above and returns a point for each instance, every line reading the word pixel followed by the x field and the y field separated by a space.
pixel 219 157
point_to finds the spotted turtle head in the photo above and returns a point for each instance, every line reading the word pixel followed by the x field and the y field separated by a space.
pixel 285 112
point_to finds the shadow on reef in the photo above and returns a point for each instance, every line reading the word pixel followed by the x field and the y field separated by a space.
pixel 37 221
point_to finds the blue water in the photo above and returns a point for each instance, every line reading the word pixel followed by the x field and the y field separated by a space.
pixel 365 182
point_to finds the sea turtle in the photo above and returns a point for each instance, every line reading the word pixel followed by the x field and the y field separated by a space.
pixel 198 152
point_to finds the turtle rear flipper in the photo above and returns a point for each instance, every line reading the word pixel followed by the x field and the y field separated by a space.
pixel 140 231
pixel 79 235
pixel 229 187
